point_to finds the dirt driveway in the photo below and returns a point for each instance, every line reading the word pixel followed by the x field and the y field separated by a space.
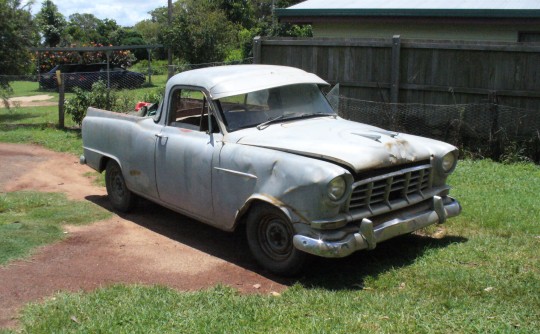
pixel 32 101
pixel 149 246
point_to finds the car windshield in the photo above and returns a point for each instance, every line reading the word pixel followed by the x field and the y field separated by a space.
pixel 279 103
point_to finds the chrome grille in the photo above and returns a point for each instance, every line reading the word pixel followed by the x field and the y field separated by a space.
pixel 388 189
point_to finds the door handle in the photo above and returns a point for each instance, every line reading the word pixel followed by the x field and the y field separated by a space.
pixel 159 135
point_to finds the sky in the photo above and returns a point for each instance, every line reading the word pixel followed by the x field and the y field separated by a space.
pixel 124 12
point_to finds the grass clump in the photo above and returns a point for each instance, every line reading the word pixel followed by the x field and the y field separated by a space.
pixel 31 219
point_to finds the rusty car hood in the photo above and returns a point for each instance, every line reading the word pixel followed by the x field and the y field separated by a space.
pixel 359 146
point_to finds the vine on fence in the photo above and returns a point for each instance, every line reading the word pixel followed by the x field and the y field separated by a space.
pixel 49 59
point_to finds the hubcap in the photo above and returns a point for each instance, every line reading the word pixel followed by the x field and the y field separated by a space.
pixel 275 236
pixel 117 184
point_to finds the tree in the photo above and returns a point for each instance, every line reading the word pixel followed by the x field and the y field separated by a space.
pixel 51 24
pixel 129 36
pixel 86 28
pixel 17 34
pixel 238 11
pixel 200 32
pixel 150 32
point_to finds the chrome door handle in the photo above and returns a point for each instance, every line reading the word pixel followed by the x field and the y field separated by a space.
pixel 159 135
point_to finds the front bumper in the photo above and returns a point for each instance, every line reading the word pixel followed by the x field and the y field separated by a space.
pixel 368 236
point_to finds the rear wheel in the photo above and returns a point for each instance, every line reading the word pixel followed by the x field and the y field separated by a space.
pixel 270 237
pixel 122 199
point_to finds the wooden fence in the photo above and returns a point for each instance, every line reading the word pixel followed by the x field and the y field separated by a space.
pixel 415 71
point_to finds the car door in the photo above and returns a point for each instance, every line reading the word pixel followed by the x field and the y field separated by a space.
pixel 185 152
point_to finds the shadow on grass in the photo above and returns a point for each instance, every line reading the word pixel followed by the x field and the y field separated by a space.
pixel 38 126
pixel 333 274
pixel 15 116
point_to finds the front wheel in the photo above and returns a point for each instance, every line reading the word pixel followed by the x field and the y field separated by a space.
pixel 122 199
pixel 270 238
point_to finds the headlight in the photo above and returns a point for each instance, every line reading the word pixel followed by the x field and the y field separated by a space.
pixel 449 162
pixel 337 188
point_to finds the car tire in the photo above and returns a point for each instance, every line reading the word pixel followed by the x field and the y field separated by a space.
pixel 270 237
pixel 122 199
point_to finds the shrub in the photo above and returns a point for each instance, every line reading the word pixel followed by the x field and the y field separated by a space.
pixel 98 97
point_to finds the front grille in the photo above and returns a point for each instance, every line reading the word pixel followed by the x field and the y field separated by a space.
pixel 391 188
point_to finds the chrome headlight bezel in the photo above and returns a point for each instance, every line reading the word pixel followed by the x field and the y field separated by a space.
pixel 337 188
pixel 448 162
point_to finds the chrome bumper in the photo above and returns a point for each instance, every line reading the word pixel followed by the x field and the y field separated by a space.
pixel 368 236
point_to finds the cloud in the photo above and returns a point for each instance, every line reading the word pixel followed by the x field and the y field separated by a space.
pixel 124 12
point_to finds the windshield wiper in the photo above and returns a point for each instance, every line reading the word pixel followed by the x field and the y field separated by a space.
pixel 292 116
pixel 273 119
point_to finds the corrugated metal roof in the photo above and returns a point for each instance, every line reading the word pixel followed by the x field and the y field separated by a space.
pixel 419 4
pixel 415 8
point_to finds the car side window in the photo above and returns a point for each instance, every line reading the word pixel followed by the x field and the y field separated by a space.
pixel 190 109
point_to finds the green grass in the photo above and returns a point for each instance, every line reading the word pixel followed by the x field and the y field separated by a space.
pixel 29 219
pixel 483 277
pixel 26 88
pixel 37 125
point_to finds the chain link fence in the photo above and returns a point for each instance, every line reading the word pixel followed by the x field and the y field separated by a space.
pixel 482 130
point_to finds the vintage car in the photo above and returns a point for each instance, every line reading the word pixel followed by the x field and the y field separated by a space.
pixel 260 145
pixel 85 75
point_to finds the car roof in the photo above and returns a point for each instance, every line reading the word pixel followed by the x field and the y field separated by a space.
pixel 72 68
pixel 223 81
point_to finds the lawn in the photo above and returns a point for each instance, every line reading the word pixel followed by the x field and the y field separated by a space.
pixel 480 275
pixel 29 220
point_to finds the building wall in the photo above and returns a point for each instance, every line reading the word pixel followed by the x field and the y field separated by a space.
pixel 445 31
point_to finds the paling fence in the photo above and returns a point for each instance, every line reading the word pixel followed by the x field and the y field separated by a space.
pixel 482 96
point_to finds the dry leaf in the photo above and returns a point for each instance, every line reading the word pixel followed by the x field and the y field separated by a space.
pixel 75 319
pixel 488 289
pixel 257 286
pixel 275 294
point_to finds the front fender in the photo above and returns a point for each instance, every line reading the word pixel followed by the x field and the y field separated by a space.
pixel 294 183
pixel 289 211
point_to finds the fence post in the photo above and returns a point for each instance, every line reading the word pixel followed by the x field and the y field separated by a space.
pixel 394 80
pixel 257 50
pixel 108 54
pixel 61 98
pixel 496 137
pixel 149 51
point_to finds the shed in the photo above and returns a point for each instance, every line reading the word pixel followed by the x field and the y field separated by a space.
pixel 473 20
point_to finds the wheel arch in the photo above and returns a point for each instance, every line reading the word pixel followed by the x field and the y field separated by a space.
pixel 256 199
pixel 105 160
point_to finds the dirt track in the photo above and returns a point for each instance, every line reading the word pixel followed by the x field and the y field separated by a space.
pixel 32 101
pixel 149 246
